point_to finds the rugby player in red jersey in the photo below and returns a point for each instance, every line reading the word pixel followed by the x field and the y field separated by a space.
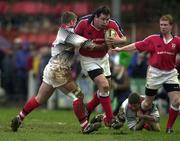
pixel 163 49
pixel 57 75
pixel 95 62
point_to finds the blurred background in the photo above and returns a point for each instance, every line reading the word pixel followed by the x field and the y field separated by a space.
pixel 28 28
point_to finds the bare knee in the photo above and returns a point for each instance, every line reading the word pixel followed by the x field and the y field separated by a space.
pixel 175 100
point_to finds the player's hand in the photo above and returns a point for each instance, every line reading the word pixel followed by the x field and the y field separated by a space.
pixel 140 114
pixel 88 45
pixel 117 49
pixel 109 42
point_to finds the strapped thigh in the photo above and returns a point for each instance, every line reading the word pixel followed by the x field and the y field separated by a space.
pixel 75 94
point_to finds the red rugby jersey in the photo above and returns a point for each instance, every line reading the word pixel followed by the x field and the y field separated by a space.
pixel 87 30
pixel 162 55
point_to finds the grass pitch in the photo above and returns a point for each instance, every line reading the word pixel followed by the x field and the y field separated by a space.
pixel 61 125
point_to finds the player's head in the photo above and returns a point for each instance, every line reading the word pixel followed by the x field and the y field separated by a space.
pixel 166 23
pixel 101 17
pixel 69 18
pixel 134 101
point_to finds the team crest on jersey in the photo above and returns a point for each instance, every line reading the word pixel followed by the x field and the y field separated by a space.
pixel 173 45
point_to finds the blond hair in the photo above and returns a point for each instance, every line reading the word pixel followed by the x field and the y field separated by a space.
pixel 167 17
pixel 67 16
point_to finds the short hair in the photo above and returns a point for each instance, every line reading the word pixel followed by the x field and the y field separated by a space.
pixel 134 98
pixel 167 17
pixel 102 10
pixel 67 16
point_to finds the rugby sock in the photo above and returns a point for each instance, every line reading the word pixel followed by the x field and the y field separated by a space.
pixel 28 107
pixel 106 105
pixel 172 117
pixel 91 105
pixel 79 110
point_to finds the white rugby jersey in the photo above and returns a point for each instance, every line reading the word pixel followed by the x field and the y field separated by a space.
pixel 131 115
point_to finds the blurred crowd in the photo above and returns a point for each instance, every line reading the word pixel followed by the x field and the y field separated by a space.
pixel 25 43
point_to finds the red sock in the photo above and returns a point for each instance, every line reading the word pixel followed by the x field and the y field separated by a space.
pixel 79 111
pixel 91 105
pixel 28 107
pixel 172 117
pixel 106 105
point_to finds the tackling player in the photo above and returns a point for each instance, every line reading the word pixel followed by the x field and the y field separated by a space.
pixel 57 75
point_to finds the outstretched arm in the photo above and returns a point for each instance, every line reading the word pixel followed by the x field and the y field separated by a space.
pixel 129 48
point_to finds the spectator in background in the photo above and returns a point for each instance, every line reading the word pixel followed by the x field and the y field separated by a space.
pixel 120 85
pixel 163 49
pixel 8 75
pixel 45 55
pixel 5 71
pixel 21 57
pixel 137 71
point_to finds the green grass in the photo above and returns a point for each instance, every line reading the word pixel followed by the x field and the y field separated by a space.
pixel 61 125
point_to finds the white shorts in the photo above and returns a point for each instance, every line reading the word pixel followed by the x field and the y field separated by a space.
pixel 156 78
pixel 56 73
pixel 89 64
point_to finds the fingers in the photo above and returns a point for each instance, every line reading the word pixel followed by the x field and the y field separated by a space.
pixel 117 49
pixel 110 42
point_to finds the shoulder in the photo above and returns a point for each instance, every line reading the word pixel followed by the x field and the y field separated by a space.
pixel 85 19
pixel 177 38
pixel 152 37
pixel 114 23
pixel 82 21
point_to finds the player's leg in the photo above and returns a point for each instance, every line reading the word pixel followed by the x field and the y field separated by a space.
pixel 104 97
pixel 173 89
pixel 154 81
pixel 92 104
pixel 174 97
pixel 155 126
pixel 71 89
pixel 45 91
pixel 148 100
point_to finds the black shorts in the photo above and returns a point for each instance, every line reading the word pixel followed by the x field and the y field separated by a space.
pixel 94 73
pixel 167 87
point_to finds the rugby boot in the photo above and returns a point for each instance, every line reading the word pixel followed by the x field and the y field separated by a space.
pixel 91 128
pixel 169 131
pixel 15 123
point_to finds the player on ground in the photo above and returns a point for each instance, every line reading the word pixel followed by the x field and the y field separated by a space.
pixel 163 49
pixel 135 117
pixel 99 28
pixel 57 75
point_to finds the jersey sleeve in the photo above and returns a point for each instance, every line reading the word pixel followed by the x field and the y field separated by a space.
pixel 79 27
pixel 117 28
pixel 178 45
pixel 144 45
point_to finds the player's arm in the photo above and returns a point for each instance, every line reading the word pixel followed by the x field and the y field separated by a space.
pixel 145 116
pixel 91 46
pixel 128 48
pixel 139 125
pixel 120 40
